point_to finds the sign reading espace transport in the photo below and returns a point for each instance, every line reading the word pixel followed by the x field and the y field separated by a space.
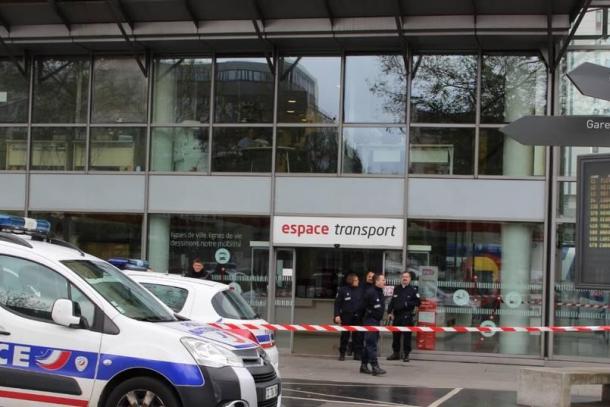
pixel 352 232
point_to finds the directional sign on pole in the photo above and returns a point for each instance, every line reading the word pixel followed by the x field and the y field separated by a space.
pixel 582 131
pixel 592 80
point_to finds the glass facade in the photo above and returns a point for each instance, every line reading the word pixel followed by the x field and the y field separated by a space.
pixel 331 118
pixel 100 234
pixel 234 250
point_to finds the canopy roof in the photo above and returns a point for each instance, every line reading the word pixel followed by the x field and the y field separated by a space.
pixel 80 26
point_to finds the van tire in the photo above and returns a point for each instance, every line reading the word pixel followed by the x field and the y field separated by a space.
pixel 139 387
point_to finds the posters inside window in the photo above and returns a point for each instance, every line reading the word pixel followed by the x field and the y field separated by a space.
pixel 233 250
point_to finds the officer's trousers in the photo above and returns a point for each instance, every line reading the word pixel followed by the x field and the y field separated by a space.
pixel 369 354
pixel 406 336
pixel 357 337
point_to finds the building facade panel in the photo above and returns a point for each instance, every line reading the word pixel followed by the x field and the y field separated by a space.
pixel 214 194
pixel 339 196
pixel 15 199
pixel 89 193
pixel 508 200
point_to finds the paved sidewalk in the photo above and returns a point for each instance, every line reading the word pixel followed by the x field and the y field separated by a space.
pixel 417 373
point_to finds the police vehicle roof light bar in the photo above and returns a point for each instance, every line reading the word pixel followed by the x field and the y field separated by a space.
pixel 10 223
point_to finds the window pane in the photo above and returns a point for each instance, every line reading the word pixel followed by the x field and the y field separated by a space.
pixel 176 240
pixel 13 148
pixel 592 23
pixel 103 235
pixel 61 89
pixel 569 158
pixel 309 90
pixel 567 200
pixel 512 87
pixel 374 150
pixel 87 308
pixel 441 151
pixel 182 90
pixel 173 297
pixel 14 92
pixel 444 89
pixel 229 304
pixel 244 91
pixel 572 101
pixel 307 150
pixel 375 89
pixel 119 91
pixel 573 306
pixel 58 149
pixel 477 265
pixel 179 149
pixel 242 149
pixel 502 155
pixel 29 288
pixel 117 149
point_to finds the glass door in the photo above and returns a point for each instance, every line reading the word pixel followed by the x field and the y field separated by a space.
pixel 282 310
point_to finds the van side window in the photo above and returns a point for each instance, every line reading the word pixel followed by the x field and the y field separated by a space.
pixel 173 297
pixel 30 289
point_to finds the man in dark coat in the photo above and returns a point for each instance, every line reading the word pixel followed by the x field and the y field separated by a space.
pixel 374 308
pixel 348 311
pixel 400 311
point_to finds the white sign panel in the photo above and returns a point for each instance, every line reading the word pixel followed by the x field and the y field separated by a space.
pixel 359 232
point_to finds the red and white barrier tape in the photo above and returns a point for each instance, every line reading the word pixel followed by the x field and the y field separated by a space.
pixel 579 305
pixel 421 329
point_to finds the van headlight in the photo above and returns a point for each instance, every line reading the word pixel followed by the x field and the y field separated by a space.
pixel 210 355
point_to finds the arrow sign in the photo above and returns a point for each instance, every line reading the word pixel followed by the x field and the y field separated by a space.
pixel 592 80
pixel 585 131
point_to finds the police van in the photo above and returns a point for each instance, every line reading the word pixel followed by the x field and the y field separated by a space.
pixel 75 331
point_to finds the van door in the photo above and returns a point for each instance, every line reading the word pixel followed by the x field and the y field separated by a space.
pixel 41 362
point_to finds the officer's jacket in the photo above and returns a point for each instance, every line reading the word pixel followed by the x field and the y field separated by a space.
pixel 404 300
pixel 374 303
pixel 349 300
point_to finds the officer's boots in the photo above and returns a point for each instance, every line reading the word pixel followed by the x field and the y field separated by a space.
pixel 364 368
pixel 342 356
pixel 376 370
pixel 394 356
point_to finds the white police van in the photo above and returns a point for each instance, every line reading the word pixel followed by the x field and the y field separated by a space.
pixel 75 331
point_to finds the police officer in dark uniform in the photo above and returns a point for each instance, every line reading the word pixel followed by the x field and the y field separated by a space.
pixel 348 311
pixel 374 308
pixel 400 311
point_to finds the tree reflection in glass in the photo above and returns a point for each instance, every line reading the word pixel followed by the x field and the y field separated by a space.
pixel 444 89
pixel 61 90
pixel 512 87
pixel 375 89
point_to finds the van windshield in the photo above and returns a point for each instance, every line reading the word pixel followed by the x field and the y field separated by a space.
pixel 126 296
pixel 229 304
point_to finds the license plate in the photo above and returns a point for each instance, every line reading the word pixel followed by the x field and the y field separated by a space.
pixel 271 392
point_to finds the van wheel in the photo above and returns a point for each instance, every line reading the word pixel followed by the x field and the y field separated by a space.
pixel 142 392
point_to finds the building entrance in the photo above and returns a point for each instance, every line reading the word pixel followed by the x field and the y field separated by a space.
pixel 306 283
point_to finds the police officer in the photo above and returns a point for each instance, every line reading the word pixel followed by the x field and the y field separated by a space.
pixel 348 311
pixel 400 312
pixel 374 308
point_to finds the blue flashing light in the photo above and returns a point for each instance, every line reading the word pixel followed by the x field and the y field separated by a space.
pixel 21 224
pixel 123 263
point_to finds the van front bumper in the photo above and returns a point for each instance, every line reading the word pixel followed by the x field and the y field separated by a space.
pixel 227 386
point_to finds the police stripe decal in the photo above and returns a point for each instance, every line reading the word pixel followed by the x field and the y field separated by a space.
pixel 81 364
pixel 63 401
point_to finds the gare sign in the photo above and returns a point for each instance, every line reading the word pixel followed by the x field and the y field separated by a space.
pixel 326 231
pixel 582 131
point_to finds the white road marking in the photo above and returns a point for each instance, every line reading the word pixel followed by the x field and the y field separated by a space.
pixel 375 402
pixel 445 397
pixel 351 403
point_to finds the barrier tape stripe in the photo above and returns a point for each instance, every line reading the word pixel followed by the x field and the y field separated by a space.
pixel 416 329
